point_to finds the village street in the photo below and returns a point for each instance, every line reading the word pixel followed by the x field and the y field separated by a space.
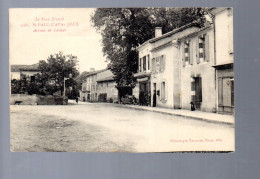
pixel 104 127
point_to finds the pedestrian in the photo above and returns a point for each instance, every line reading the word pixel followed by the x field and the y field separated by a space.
pixel 77 100
pixel 192 106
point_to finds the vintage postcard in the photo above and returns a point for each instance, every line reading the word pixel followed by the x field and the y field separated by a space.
pixel 121 79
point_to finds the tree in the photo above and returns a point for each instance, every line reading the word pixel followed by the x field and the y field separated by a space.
pixel 51 79
pixel 124 29
pixel 55 69
pixel 80 79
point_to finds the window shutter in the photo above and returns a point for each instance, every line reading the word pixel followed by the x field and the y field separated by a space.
pixel 191 52
pixel 148 62
pixel 161 91
pixel 153 65
pixel 207 48
pixel 163 62
pixel 220 91
pixel 200 89
pixel 182 53
pixel 166 91
pixel 160 64
pixel 197 51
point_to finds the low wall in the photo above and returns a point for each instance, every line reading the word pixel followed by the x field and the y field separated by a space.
pixel 25 99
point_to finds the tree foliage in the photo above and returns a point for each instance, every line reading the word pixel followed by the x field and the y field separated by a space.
pixel 80 79
pixel 51 79
pixel 55 69
pixel 124 29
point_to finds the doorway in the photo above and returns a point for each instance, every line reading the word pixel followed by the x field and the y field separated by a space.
pixel 154 95
pixel 226 94
pixel 196 86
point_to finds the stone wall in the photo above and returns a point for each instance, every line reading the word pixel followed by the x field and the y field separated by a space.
pixel 24 99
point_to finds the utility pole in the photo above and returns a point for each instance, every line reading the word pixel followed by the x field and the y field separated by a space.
pixel 64 89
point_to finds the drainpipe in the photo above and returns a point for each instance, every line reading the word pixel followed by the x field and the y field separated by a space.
pixel 215 62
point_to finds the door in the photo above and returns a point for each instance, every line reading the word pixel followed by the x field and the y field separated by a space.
pixel 154 95
pixel 198 92
pixel 226 95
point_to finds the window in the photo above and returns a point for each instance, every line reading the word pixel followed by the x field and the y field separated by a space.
pixel 144 63
pixel 158 64
pixel 201 56
pixel 148 61
pixel 32 78
pixel 140 62
pixel 163 91
pixel 187 51
pixel 107 84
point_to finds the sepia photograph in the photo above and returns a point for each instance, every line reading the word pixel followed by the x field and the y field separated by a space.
pixel 124 80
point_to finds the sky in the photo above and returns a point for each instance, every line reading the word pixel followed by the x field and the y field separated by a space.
pixel 35 34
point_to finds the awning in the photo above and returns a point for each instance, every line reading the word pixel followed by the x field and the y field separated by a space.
pixel 224 66
pixel 143 79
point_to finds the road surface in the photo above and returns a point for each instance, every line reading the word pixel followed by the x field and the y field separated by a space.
pixel 104 127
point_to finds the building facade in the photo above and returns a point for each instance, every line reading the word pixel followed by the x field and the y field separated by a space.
pixel 197 72
pixel 27 71
pixel 106 87
pixel 89 87
pixel 99 86
pixel 190 66
pixel 224 62
pixel 161 79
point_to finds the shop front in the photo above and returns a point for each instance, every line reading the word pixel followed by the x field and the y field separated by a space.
pixel 225 83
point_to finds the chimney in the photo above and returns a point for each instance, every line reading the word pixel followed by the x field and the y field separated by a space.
pixel 158 31
pixel 92 69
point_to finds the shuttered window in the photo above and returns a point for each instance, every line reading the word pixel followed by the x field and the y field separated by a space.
pixel 207 57
pixel 191 52
pixel 158 64
pixel 201 48
pixel 187 51
pixel 148 61
pixel 163 91
pixel 144 63
pixel 162 63
pixel 139 67
pixel 153 65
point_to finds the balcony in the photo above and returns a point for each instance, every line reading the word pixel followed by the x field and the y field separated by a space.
pixel 142 74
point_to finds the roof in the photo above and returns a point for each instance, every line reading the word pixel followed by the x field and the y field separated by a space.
pixel 195 23
pixel 215 10
pixel 18 68
pixel 196 32
pixel 95 72
pixel 109 78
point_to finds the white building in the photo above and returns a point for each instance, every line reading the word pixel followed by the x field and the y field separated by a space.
pixel 223 27
pixel 28 71
pixel 197 72
pixel 159 70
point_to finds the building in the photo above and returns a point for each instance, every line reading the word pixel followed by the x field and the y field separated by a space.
pixel 159 71
pixel 197 73
pixel 89 92
pixel 99 86
pixel 28 71
pixel 224 61
pixel 106 87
